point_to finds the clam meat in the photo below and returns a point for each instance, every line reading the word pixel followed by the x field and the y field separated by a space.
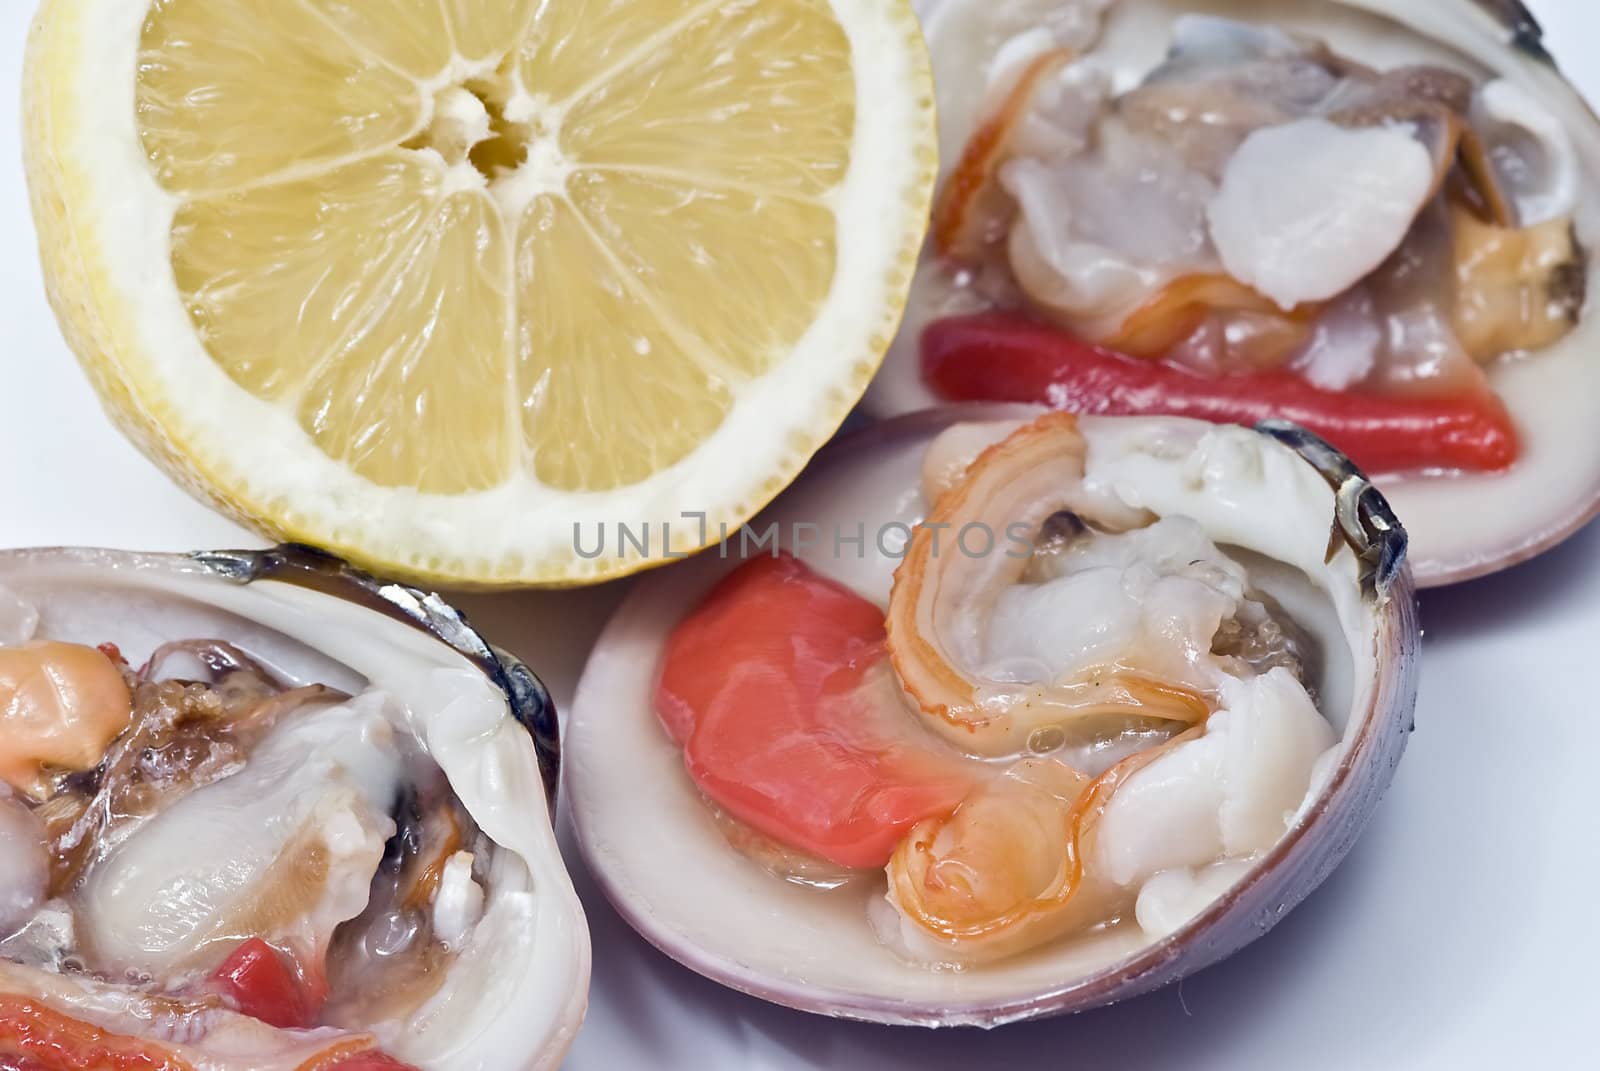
pixel 1376 221
pixel 258 811
pixel 1011 712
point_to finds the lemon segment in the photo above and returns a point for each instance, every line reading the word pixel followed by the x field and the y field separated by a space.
pixel 484 29
pixel 611 396
pixel 415 395
pixel 385 323
pixel 209 120
pixel 271 291
pixel 722 92
pixel 412 36
pixel 574 46
pixel 680 243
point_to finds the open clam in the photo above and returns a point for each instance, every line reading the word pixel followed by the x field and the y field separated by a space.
pixel 1378 220
pixel 1138 706
pixel 259 810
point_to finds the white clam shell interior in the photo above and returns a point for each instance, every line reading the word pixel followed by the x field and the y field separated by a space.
pixel 516 993
pixel 1461 526
pixel 658 854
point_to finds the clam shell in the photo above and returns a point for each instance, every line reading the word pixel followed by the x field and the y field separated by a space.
pixel 311 618
pixel 660 858
pixel 1461 527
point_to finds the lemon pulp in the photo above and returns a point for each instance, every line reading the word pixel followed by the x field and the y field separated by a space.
pixel 467 240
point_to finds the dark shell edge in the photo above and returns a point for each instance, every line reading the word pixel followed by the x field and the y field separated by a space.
pixel 317 570
pixel 1525 32
pixel 1362 517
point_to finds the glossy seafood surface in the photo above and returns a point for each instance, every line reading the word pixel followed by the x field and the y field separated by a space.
pixel 1138 703
pixel 259 810
pixel 1377 221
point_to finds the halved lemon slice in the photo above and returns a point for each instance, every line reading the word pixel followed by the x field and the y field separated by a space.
pixel 461 289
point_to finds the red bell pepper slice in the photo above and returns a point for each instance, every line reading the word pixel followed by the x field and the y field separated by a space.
pixel 1000 356
pixel 264 987
pixel 766 685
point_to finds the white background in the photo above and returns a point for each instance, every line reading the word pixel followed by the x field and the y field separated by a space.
pixel 1461 933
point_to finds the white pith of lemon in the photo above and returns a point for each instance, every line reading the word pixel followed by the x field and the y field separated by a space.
pixel 448 285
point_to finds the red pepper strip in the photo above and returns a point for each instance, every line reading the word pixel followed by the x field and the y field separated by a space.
pixel 34 1037
pixel 264 987
pixel 765 686
pixel 997 356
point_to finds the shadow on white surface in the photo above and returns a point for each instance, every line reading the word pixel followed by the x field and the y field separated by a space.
pixel 1559 584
